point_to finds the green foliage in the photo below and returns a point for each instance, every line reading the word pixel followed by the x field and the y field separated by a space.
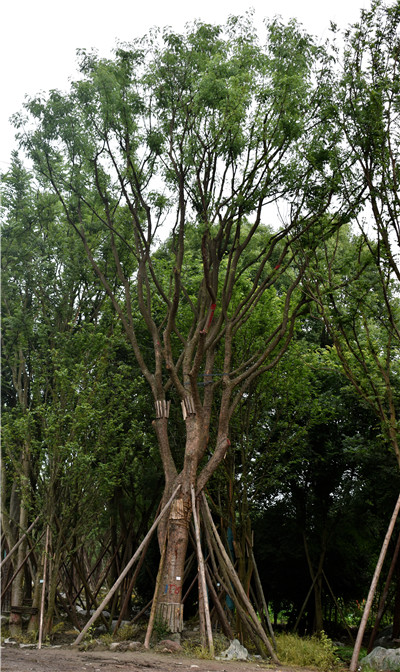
pixel 126 632
pixel 161 628
pixel 317 651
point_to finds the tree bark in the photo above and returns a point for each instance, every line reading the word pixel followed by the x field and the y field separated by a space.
pixel 169 602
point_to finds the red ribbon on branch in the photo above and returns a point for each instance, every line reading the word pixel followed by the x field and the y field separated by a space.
pixel 213 307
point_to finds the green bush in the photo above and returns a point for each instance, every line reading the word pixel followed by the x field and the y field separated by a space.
pixel 317 651
pixel 161 628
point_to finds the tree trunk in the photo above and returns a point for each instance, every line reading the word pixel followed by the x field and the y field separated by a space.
pixel 170 607
pixel 17 591
pixel 318 617
pixel 33 625
pixel 169 601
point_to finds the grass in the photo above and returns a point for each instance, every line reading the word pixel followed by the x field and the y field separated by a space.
pixel 196 650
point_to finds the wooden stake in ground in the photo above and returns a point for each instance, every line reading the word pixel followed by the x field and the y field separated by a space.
pixel 126 570
pixel 202 575
pixel 374 583
pixel 43 588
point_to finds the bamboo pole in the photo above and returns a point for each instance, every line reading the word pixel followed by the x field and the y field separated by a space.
pixel 374 583
pixel 126 570
pixel 236 581
pixel 141 612
pixel 98 561
pixel 202 574
pixel 19 542
pixel 43 589
pixel 246 622
pixel 261 593
pixel 303 606
pixel 131 586
pixel 155 598
pixel 228 632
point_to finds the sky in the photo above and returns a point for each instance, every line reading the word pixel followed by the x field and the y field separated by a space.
pixel 39 38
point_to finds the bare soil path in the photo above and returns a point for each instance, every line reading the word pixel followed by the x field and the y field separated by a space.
pixel 15 659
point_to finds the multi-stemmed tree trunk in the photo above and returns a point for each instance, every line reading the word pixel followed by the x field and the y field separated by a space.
pixel 199 131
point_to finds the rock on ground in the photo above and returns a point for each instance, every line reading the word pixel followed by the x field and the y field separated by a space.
pixel 235 652
pixel 169 645
pixel 382 659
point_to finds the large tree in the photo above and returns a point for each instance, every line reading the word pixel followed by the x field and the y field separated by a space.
pixel 199 133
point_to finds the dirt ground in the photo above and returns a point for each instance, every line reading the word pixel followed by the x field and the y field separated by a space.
pixel 67 659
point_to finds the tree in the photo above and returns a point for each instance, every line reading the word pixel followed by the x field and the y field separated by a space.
pixel 368 99
pixel 199 131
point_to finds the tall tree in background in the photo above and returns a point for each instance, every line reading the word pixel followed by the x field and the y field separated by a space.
pixel 198 132
pixel 365 330
pixel 369 103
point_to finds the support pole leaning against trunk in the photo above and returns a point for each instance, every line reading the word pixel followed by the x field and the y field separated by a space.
pixel 155 598
pixel 202 574
pixel 131 586
pixel 374 583
pixel 236 581
pixel 126 570
pixel 261 593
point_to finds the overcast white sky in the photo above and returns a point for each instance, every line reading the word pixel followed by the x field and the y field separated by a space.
pixel 39 38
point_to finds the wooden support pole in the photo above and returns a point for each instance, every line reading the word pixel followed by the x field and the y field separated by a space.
pixel 246 621
pixel 202 574
pixel 126 570
pixel 97 563
pixel 303 606
pixel 190 588
pixel 228 632
pixel 155 598
pixel 237 584
pixel 19 542
pixel 141 612
pixel 261 594
pixel 131 585
pixel 42 603
pixel 374 583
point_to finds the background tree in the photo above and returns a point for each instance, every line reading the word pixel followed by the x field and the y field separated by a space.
pixel 369 101
pixel 67 434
